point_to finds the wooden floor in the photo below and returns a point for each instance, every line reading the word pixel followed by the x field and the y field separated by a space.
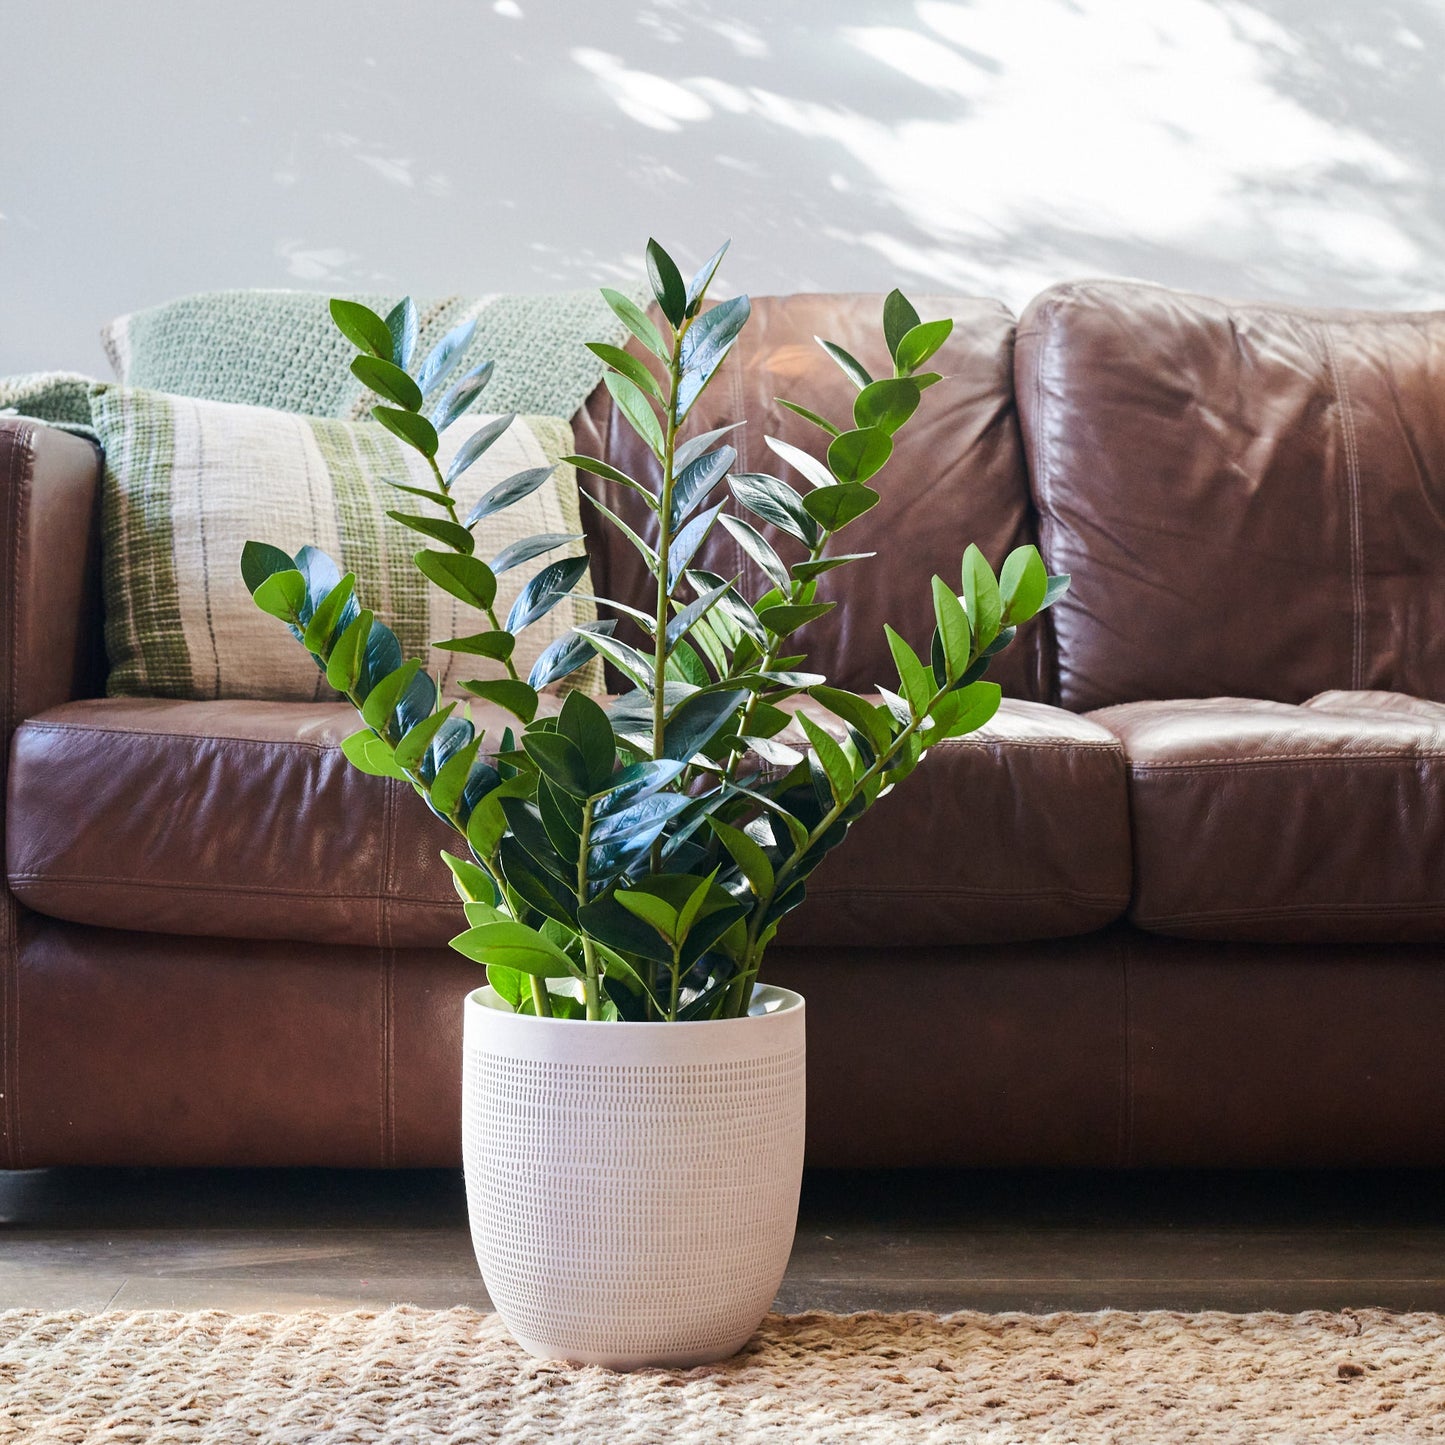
pixel 276 1240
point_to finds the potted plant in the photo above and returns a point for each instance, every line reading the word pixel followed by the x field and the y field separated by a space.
pixel 634 1188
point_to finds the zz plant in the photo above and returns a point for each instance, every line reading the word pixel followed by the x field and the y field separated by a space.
pixel 635 861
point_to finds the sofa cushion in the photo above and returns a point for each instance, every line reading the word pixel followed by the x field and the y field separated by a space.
pixel 1261 820
pixel 244 820
pixel 1250 498
pixel 188 483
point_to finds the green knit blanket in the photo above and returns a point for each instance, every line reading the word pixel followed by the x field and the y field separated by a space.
pixel 280 349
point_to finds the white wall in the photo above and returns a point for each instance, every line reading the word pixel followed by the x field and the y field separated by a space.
pixel 1279 148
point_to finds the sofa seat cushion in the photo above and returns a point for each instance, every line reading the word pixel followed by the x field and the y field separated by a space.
pixel 1267 821
pixel 243 820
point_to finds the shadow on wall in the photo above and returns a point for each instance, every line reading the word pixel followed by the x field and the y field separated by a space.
pixel 1288 148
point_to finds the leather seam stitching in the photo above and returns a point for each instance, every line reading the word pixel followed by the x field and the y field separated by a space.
pixel 1430 755
pixel 1293 910
pixel 85 880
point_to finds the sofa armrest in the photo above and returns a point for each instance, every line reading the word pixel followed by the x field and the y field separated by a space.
pixel 51 640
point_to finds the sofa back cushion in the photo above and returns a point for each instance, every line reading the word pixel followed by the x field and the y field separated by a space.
pixel 957 475
pixel 1250 498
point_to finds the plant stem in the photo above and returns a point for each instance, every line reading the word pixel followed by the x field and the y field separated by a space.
pixel 541 999
pixel 664 546
pixel 590 985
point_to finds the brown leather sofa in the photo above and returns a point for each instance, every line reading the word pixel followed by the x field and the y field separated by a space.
pixel 1183 903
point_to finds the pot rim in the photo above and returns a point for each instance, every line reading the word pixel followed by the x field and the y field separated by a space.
pixel 777 1001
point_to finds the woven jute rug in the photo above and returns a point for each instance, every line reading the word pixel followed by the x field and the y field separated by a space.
pixel 418 1375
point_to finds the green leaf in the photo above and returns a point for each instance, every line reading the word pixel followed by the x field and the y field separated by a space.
pixel 509 984
pixel 461 395
pixel 466 578
pixel 686 544
pixel 697 287
pixel 667 284
pixel 362 327
pixel 804 463
pixel 376 710
pixel 441 361
pixel 429 494
pixel 705 345
pixel 658 915
pixel 870 720
pixel 759 548
pixel 695 481
pixel 497 645
pixel 857 455
pixel 418 738
pixel 775 502
pixel 919 343
pixel 624 657
pixel 886 404
pixel 516 697
pixel 387 380
pixel 585 724
pixel 690 450
pixel 451 778
pixel 953 628
pixel 283 595
pixel 403 324
pixel 369 754
pixel 544 591
pixel 834 507
pixel 918 684
pixel 748 855
pixel 966 710
pixel 564 656
pixel 348 657
pixel 629 366
pixel 336 609
pixel 609 473
pixel 504 494
pixel 643 550
pixel 696 720
pixel 637 410
pixel 812 416
pixel 560 761
pixel 899 318
pixel 981 597
pixel 635 320
pixel 853 369
pixel 478 443
pixel 260 560
pixel 529 547
pixel 416 431
pixel 1023 585
pixel 1058 585
pixel 806 571
pixel 470 881
pixel 455 536
pixel 784 618
pixel 834 760
pixel 514 945
pixel 687 617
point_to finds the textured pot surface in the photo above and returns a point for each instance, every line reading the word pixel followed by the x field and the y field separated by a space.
pixel 633 1188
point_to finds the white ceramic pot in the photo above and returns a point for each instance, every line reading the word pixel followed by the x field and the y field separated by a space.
pixel 633 1188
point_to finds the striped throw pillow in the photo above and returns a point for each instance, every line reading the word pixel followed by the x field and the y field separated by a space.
pixel 189 482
